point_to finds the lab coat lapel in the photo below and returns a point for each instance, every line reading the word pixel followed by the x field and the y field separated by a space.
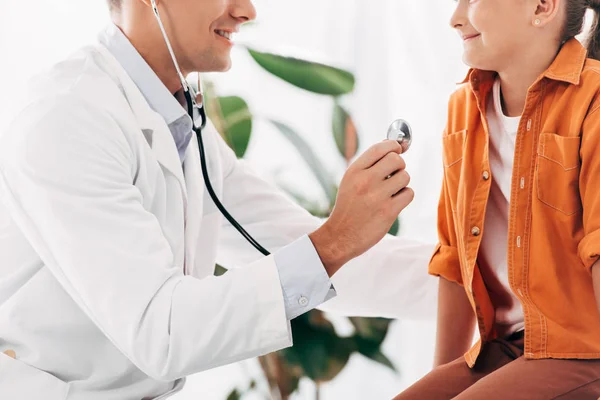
pixel 152 125
pixel 163 146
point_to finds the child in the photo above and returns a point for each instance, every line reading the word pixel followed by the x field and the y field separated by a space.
pixel 519 215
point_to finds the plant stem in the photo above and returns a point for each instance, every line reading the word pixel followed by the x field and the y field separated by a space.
pixel 266 364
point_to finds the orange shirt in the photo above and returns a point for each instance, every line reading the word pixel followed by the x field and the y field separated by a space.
pixel 554 221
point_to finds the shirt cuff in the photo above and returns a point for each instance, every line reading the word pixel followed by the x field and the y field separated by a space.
pixel 589 249
pixel 445 263
pixel 303 278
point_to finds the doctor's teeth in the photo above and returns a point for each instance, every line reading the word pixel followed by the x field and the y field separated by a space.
pixel 227 35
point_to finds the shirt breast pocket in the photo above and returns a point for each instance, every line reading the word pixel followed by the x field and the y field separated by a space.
pixel 558 167
pixel 453 153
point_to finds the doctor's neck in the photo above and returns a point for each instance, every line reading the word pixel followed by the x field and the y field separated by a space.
pixel 153 50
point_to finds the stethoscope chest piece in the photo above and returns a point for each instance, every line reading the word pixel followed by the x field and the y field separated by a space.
pixel 401 132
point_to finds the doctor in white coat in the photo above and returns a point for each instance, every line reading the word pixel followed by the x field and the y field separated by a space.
pixel 108 237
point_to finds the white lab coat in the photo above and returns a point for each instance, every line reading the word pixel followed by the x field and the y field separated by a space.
pixel 98 219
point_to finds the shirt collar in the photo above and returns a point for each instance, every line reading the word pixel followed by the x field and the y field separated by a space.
pixel 156 93
pixel 566 67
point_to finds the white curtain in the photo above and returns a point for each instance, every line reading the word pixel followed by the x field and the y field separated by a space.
pixel 406 60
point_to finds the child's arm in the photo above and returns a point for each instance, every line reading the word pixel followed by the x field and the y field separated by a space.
pixel 456 318
pixel 456 323
pixel 596 279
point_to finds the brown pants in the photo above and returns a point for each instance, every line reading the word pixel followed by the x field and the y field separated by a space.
pixel 502 373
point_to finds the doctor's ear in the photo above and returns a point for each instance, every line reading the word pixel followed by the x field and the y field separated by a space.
pixel 546 11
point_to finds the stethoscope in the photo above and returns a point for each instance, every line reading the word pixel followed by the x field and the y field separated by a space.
pixel 399 130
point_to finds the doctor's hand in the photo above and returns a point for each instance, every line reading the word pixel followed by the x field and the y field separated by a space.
pixel 372 194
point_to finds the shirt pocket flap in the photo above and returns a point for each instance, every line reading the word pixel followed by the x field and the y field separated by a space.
pixel 19 380
pixel 453 147
pixel 562 150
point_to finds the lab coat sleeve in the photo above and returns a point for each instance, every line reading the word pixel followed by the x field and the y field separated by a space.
pixel 390 280
pixel 66 176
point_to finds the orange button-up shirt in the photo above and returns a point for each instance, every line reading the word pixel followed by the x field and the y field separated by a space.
pixel 554 217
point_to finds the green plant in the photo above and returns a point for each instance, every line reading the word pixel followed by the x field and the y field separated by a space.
pixel 319 353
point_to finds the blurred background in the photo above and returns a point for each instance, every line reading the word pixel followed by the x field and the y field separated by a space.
pixel 405 61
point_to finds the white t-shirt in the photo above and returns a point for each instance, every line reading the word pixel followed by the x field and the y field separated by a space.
pixel 494 245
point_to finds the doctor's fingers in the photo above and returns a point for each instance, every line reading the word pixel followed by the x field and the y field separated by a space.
pixel 401 200
pixel 388 165
pixel 376 152
pixel 396 183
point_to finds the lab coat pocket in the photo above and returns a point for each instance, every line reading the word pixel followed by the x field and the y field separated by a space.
pixel 24 382
pixel 557 172
pixel 453 153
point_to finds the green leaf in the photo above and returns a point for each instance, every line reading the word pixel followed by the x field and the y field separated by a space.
pixel 236 123
pixel 234 395
pixel 314 77
pixel 381 358
pixel 315 165
pixel 219 270
pixel 369 336
pixel 372 329
pixel 395 228
pixel 317 349
pixel 344 133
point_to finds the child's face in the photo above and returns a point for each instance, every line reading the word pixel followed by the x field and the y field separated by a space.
pixel 494 31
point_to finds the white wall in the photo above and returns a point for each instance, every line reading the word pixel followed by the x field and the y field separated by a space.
pixel 406 60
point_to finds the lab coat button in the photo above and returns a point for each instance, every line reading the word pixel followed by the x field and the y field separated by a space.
pixel 303 301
